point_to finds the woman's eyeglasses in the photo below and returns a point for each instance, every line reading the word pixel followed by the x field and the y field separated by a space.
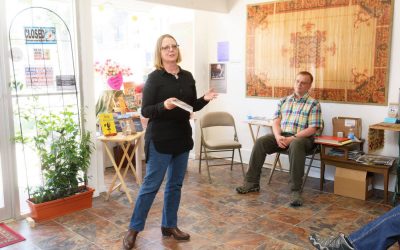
pixel 170 47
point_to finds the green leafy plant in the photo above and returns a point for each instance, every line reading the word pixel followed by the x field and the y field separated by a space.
pixel 64 153
pixel 16 86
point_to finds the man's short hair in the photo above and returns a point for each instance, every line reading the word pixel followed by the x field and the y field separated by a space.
pixel 306 73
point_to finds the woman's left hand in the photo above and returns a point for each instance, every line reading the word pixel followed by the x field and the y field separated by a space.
pixel 210 95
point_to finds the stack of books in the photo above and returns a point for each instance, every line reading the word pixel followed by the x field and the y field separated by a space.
pixel 260 120
pixel 336 152
pixel 332 140
pixel 376 160
pixel 355 154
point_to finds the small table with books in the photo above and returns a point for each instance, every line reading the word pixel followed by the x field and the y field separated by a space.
pixel 256 123
pixel 125 142
pixel 342 156
pixel 396 128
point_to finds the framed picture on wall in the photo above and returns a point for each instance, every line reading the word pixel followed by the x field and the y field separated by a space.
pixel 217 71
pixel 218 77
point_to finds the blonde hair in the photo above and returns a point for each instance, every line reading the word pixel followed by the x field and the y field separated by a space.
pixel 157 53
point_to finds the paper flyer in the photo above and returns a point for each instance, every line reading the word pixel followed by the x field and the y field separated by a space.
pixel 183 105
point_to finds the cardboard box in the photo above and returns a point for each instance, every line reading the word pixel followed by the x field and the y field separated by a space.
pixel 353 183
pixel 343 124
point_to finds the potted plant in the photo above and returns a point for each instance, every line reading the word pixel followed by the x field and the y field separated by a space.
pixel 64 152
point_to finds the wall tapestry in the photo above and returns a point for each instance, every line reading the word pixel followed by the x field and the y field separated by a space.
pixel 345 44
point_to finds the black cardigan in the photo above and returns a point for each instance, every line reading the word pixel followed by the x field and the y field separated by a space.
pixel 169 130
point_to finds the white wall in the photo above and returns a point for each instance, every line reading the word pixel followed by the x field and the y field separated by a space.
pixel 211 28
pixel 211 5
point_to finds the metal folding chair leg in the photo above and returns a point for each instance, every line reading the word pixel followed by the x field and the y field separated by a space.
pixel 208 166
pixel 233 155
pixel 201 152
pixel 241 162
pixel 273 167
pixel 309 166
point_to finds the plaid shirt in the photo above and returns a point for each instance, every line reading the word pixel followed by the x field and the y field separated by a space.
pixel 298 114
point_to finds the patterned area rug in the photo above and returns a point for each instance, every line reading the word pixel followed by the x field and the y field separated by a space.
pixel 8 236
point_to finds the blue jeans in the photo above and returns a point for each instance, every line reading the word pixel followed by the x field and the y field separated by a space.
pixel 157 165
pixel 380 233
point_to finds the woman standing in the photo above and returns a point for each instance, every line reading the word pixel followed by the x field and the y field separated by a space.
pixel 168 138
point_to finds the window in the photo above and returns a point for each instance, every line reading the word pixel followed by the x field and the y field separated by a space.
pixel 126 33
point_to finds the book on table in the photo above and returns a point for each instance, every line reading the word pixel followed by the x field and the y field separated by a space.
pixel 107 124
pixel 260 120
pixel 369 159
pixel 332 140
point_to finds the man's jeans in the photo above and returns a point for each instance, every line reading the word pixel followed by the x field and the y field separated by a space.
pixel 380 233
pixel 157 165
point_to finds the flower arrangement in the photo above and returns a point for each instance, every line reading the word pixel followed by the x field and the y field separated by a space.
pixel 111 68
pixel 113 72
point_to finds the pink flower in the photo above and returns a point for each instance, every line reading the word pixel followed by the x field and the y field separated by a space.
pixel 111 68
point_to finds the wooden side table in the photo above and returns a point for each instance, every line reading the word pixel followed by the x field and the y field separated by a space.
pixel 125 142
pixel 325 158
pixel 396 128
pixel 343 162
pixel 257 124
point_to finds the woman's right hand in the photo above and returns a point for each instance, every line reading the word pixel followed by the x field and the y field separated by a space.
pixel 168 103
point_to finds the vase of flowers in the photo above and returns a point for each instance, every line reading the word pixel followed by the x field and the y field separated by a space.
pixel 113 75
pixel 113 72
pixel 115 82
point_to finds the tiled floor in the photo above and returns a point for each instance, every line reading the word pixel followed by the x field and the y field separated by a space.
pixel 214 214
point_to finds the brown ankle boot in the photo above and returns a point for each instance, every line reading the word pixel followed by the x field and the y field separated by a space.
pixel 176 232
pixel 129 239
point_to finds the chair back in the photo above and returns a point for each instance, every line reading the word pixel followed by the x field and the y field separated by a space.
pixel 214 119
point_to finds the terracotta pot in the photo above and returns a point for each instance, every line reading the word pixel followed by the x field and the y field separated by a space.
pixel 52 209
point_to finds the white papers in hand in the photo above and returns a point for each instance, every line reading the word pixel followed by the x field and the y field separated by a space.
pixel 183 105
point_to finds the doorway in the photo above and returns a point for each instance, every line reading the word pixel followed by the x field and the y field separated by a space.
pixel 7 194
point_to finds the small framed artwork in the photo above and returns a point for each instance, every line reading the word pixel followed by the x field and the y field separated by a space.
pixel 217 71
pixel 218 77
pixel 393 110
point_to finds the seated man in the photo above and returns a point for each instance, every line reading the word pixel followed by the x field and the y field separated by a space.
pixel 296 121
pixel 379 234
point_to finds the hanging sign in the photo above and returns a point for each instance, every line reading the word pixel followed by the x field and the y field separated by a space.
pixel 39 76
pixel 65 82
pixel 223 51
pixel 40 35
pixel 41 54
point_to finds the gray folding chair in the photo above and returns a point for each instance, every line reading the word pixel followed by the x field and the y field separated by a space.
pixel 213 144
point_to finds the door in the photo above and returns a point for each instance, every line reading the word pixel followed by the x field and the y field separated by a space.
pixel 9 206
pixel 6 180
pixel 6 208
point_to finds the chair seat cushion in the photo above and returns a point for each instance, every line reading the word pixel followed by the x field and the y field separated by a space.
pixel 222 144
